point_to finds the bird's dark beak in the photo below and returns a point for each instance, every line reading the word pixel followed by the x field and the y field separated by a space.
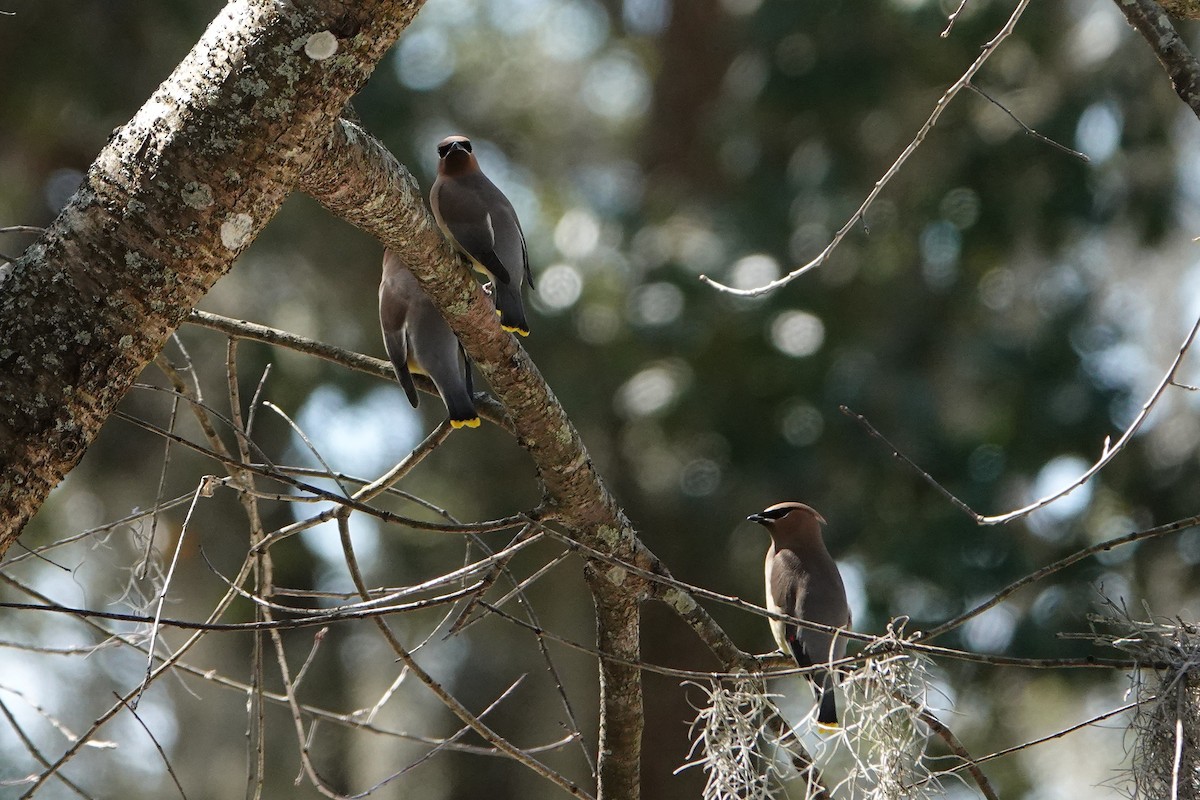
pixel 455 146
pixel 759 518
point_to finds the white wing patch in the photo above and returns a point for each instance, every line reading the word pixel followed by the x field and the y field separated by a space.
pixel 491 231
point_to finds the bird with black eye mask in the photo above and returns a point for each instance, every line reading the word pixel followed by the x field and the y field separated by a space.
pixel 802 581
pixel 481 224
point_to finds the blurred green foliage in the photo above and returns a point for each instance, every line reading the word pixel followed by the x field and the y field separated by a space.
pixel 1002 309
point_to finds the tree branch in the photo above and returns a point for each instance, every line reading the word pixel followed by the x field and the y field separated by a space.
pixel 357 179
pixel 173 198
pixel 1152 22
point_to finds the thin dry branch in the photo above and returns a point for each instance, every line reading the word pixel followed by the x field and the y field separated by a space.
pixel 353 720
pixel 161 752
pixel 472 721
pixel 36 753
pixel 1107 454
pixel 485 404
pixel 322 494
pixel 1062 563
pixel 894 169
pixel 1041 137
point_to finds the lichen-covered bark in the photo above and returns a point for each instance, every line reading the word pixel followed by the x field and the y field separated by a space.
pixel 167 206
pixel 1152 22
pixel 1184 9
pixel 618 629
pixel 182 189
pixel 383 199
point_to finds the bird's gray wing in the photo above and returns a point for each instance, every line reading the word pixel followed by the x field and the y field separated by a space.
pixel 394 305
pixel 510 239
pixel 825 603
pixel 788 594
pixel 463 205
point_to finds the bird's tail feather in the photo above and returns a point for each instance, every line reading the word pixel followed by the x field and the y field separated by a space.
pixel 510 308
pixel 826 703
pixel 461 408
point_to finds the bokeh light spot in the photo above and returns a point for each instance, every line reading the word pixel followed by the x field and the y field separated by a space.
pixel 941 245
pixel 617 87
pixel 651 390
pixel 802 424
pixel 574 30
pixel 510 16
pixel 797 333
pixel 577 233
pixel 656 304
pixel 1059 473
pixel 559 287
pixel 1098 133
pixel 424 59
pixel 752 271
pixel 991 631
pixel 597 324
pixel 700 477
pixel 986 463
pixel 998 289
pixel 961 207
pixel 646 17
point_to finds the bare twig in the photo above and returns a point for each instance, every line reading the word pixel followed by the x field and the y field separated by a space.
pixel 892 171
pixel 486 405
pixel 162 753
pixel 202 490
pixel 322 494
pixel 1062 563
pixel 1107 454
pixel 953 18
pixel 450 701
pixel 1039 136
pixel 162 482
pixel 312 448
pixel 1040 740
pixel 35 752
pixel 956 747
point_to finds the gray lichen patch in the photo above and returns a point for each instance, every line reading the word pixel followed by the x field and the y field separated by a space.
pixel 256 87
pixel 197 195
pixel 564 435
pixel 609 535
pixel 236 231
pixel 682 602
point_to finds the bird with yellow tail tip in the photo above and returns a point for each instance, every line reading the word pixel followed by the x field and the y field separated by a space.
pixel 803 582
pixel 481 224
pixel 418 339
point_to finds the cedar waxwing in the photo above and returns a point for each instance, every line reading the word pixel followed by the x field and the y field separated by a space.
pixel 480 222
pixel 418 339
pixel 803 582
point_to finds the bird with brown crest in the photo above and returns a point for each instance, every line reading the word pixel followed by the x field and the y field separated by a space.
pixel 481 224
pixel 802 581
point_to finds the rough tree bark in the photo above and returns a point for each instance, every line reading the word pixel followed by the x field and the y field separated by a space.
pixel 181 189
pixel 165 209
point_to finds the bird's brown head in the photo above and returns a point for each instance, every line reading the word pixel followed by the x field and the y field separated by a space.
pixel 789 518
pixel 455 156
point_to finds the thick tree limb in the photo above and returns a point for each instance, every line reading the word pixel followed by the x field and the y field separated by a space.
pixel 171 201
pixel 1152 22
pixel 357 179
pixel 618 632
pixel 167 206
